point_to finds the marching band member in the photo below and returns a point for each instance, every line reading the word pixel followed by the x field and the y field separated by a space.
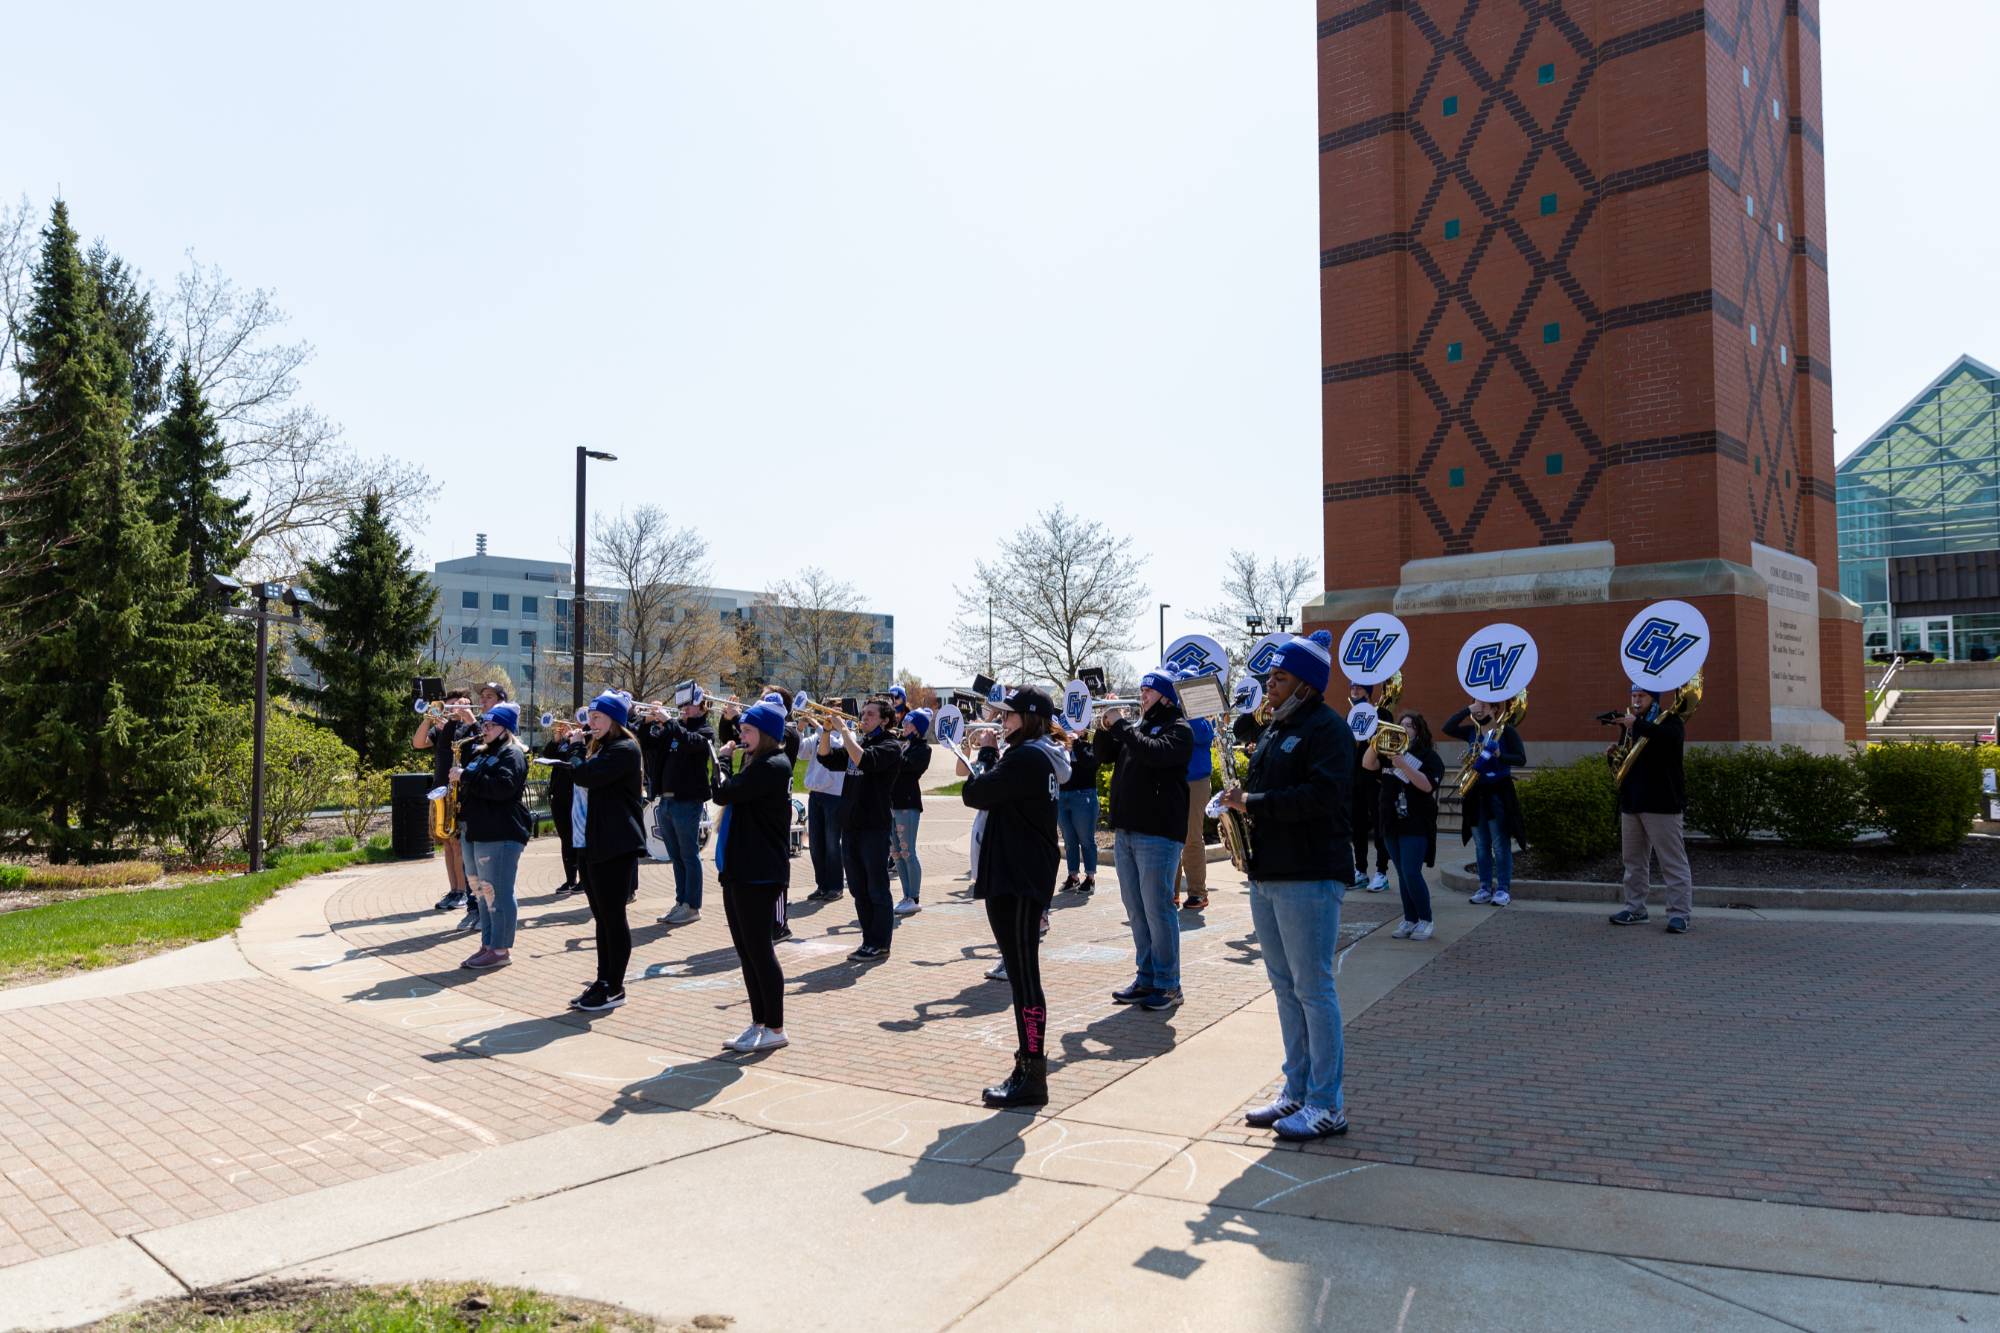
pixel 906 808
pixel 1407 811
pixel 1076 812
pixel 1149 761
pixel 825 799
pixel 1194 853
pixel 1361 810
pixel 1016 874
pixel 1651 804
pixel 562 750
pixel 753 864
pixel 441 738
pixel 1296 795
pixel 1491 813
pixel 605 824
pixel 899 700
pixel 497 827
pixel 680 769
pixel 871 761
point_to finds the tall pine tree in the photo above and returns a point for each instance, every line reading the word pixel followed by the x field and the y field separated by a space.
pixel 373 620
pixel 187 473
pixel 97 703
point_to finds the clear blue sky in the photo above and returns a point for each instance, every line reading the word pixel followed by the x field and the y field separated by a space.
pixel 857 284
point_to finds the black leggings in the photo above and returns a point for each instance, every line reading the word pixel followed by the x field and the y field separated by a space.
pixel 1017 929
pixel 563 834
pixel 749 908
pixel 605 884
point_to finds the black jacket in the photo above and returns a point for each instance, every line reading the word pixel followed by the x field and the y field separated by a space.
pixel 677 759
pixel 1655 786
pixel 1298 792
pixel 561 787
pixel 1018 851
pixel 907 793
pixel 866 808
pixel 753 844
pixel 1149 782
pixel 1418 816
pixel 1491 797
pixel 611 821
pixel 1082 769
pixel 445 738
pixel 490 808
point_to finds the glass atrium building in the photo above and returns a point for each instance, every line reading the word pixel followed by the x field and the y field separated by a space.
pixel 1919 507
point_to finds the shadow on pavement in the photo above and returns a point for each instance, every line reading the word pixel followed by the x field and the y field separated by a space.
pixel 948 1173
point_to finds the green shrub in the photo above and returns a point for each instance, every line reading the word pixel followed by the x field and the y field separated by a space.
pixel 13 877
pixel 304 766
pixel 379 843
pixel 1729 792
pixel 1815 800
pixel 1570 813
pixel 343 843
pixel 363 795
pixel 102 875
pixel 1923 795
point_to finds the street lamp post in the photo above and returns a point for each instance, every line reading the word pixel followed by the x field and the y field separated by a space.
pixel 1163 630
pixel 576 603
pixel 221 585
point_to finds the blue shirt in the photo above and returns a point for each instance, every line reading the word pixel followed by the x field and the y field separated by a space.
pixel 579 812
pixel 1202 762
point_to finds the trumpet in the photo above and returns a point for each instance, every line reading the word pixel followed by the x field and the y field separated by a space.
pixel 437 709
pixel 822 713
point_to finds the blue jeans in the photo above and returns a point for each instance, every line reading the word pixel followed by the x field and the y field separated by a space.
pixel 494 863
pixel 1409 854
pixel 680 829
pixel 1146 864
pixel 1496 853
pixel 1298 928
pixel 903 851
pixel 823 838
pixel 1076 815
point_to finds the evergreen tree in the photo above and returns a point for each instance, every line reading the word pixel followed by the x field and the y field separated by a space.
pixel 203 522
pixel 373 621
pixel 97 703
pixel 128 309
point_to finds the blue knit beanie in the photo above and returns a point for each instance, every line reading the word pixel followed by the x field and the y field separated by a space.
pixel 507 715
pixel 920 718
pixel 1322 637
pixel 768 718
pixel 1307 660
pixel 1163 681
pixel 613 706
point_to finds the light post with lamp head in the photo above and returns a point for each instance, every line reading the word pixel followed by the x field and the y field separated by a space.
pixel 583 455
pixel 298 599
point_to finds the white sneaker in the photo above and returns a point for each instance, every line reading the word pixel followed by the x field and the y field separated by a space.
pixel 1485 895
pixel 1378 883
pixel 748 1040
pixel 681 915
pixel 908 907
pixel 770 1039
pixel 997 972
pixel 1501 897
pixel 1045 921
pixel 1403 930
pixel 1424 930
pixel 1360 879
pixel 1263 1117
pixel 1311 1122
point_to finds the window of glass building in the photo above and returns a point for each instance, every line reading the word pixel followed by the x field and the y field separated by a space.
pixel 469 600
pixel 502 601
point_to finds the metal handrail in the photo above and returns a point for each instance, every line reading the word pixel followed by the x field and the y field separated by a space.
pixel 1882 685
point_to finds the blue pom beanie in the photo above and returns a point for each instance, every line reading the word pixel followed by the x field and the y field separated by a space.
pixel 613 706
pixel 920 718
pixel 1322 637
pixel 1307 660
pixel 768 718
pixel 1163 681
pixel 507 715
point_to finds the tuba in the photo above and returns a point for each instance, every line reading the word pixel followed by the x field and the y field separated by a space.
pixel 1511 715
pixel 1626 752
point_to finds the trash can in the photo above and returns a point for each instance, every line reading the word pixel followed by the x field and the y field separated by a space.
pixel 410 815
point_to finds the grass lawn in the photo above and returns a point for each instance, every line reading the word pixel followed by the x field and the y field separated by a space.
pixel 420 1307
pixel 953 790
pixel 85 933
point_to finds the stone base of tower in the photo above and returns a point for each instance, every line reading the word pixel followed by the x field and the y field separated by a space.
pixel 1576 601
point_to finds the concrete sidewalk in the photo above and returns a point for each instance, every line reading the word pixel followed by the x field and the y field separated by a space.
pixel 365 1111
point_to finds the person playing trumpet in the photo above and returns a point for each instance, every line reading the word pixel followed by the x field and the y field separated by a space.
pixel 681 771
pixel 495 820
pixel 564 747
pixel 871 757
pixel 1149 818
pixel 753 862
pixel 906 808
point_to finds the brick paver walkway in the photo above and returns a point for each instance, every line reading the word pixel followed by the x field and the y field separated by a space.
pixel 1837 1064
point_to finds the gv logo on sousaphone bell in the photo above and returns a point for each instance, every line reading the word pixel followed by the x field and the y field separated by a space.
pixel 1492 665
pixel 1658 643
pixel 1367 648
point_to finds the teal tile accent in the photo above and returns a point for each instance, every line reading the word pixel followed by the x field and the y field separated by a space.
pixel 1554 465
pixel 1451 229
pixel 1451 105
pixel 1757 466
pixel 1456 478
pixel 1454 351
pixel 1546 74
pixel 1548 205
pixel 1552 333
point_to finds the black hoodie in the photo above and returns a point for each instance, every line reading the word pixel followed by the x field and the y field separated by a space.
pixel 1149 782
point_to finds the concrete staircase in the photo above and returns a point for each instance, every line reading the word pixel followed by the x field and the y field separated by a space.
pixel 1945 715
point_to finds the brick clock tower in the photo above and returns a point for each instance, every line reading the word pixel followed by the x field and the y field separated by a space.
pixel 1574 330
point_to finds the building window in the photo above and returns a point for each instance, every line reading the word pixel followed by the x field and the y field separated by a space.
pixel 1455 478
pixel 469 600
pixel 1454 351
pixel 499 638
pixel 531 606
pixel 528 637
pixel 1451 229
pixel 1451 105
pixel 468 634
pixel 502 602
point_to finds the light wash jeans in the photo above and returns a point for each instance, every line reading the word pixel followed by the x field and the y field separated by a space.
pixel 491 865
pixel 1298 928
pixel 680 829
pixel 1076 814
pixel 903 852
pixel 1495 851
pixel 1146 864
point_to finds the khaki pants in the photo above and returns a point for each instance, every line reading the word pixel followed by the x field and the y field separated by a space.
pixel 1194 856
pixel 1647 836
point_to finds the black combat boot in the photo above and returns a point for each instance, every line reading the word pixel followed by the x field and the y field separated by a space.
pixel 1028 1085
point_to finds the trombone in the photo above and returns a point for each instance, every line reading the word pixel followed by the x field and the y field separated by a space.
pixel 822 713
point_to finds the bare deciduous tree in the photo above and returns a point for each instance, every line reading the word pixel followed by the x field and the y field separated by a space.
pixel 17 257
pixel 666 629
pixel 809 629
pixel 1063 594
pixel 1266 589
